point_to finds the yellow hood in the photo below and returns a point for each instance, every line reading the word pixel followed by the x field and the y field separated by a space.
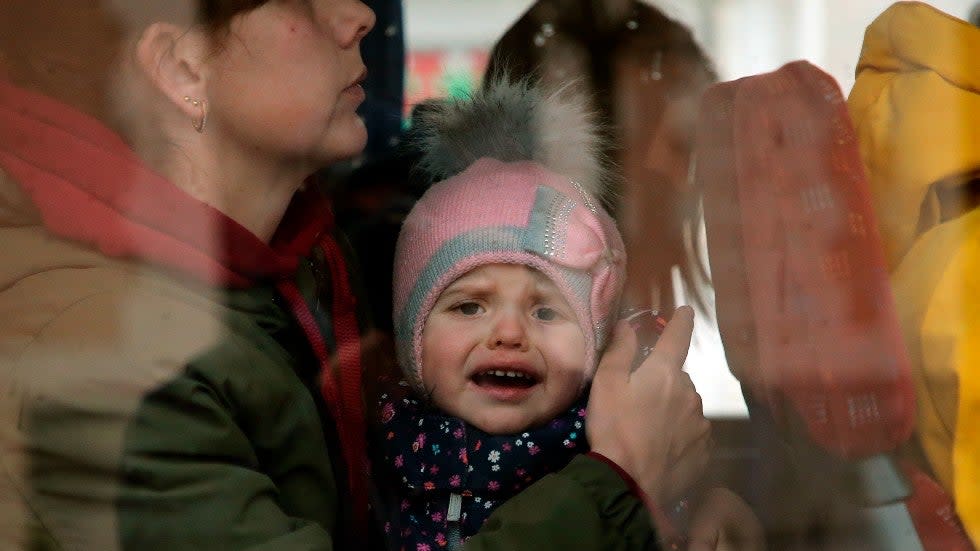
pixel 916 107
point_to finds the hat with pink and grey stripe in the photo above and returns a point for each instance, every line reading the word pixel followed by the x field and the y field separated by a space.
pixel 522 175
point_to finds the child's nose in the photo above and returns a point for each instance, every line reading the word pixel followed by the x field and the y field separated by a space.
pixel 508 332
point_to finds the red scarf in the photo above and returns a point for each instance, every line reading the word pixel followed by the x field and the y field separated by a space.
pixel 90 187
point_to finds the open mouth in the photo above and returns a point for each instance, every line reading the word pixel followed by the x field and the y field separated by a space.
pixel 505 378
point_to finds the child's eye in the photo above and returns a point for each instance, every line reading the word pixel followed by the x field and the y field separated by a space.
pixel 545 313
pixel 469 308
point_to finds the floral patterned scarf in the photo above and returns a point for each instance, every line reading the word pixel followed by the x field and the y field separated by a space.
pixel 450 476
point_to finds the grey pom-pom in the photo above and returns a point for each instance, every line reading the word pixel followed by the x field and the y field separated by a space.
pixel 514 121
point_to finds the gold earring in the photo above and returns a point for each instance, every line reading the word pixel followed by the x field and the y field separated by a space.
pixel 203 106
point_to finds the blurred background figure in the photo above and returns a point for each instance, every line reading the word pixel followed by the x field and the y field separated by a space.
pixel 645 74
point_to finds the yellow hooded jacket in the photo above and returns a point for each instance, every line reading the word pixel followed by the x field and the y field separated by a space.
pixel 916 107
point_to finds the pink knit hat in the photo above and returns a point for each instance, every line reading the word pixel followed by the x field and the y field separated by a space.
pixel 509 211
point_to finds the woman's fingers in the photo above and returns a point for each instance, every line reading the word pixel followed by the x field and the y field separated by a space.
pixel 609 382
pixel 672 346
pixel 619 354
pixel 642 419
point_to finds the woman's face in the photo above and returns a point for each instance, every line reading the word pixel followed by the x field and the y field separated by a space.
pixel 285 83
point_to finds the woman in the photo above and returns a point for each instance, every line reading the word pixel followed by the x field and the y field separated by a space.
pixel 180 343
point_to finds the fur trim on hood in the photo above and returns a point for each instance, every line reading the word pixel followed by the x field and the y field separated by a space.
pixel 515 121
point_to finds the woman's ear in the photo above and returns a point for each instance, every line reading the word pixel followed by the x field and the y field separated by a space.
pixel 173 59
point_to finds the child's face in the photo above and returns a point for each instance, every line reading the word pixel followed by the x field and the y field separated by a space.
pixel 502 349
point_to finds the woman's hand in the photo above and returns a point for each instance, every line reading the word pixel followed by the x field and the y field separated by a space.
pixel 724 521
pixel 650 421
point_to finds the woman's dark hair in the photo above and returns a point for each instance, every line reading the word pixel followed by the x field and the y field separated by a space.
pixel 589 37
pixel 598 31
pixel 217 14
